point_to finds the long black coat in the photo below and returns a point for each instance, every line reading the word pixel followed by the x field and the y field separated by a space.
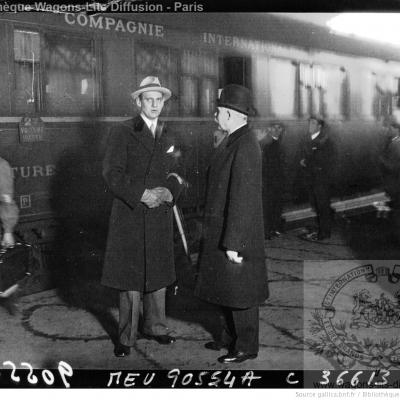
pixel 233 220
pixel 273 184
pixel 139 254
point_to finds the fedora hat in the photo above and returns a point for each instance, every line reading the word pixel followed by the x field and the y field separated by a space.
pixel 236 97
pixel 151 83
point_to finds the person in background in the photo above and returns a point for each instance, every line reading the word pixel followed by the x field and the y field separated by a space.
pixel 390 167
pixel 273 179
pixel 232 270
pixel 317 164
pixel 9 219
pixel 140 170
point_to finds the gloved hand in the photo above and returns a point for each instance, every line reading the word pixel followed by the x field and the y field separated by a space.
pixel 163 193
pixel 151 198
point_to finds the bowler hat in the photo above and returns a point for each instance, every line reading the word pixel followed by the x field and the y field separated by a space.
pixel 151 83
pixel 236 97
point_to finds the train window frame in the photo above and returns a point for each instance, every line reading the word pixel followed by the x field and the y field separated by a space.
pixel 342 110
pixel 295 106
pixel 200 77
pixel 36 100
pixel 40 109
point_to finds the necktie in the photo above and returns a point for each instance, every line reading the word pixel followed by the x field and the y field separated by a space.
pixel 153 128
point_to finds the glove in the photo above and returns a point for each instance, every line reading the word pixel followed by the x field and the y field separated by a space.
pixel 163 193
pixel 151 198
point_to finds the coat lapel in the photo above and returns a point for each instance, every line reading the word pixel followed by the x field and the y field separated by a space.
pixel 142 133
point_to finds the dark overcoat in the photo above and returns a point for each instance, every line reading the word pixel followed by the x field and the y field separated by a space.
pixel 139 253
pixel 320 157
pixel 273 184
pixel 233 220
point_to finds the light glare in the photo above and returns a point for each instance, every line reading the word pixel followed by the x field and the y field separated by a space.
pixel 383 27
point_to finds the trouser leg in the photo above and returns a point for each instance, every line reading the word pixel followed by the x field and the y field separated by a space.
pixel 247 329
pixel 311 197
pixel 154 319
pixel 227 335
pixel 277 210
pixel 324 210
pixel 129 303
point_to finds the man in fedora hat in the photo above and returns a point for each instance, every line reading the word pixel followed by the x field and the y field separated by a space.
pixel 139 259
pixel 232 271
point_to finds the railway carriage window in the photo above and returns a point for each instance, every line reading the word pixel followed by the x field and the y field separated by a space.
pixel 319 90
pixel 312 88
pixel 283 87
pixel 208 84
pixel 27 59
pixel 199 72
pixel 236 70
pixel 189 83
pixel 305 85
pixel 208 96
pixel 69 65
pixel 335 92
pixel 368 83
pixel 161 62
pixel 189 96
pixel 385 90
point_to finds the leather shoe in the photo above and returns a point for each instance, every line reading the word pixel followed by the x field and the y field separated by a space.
pixel 162 339
pixel 121 350
pixel 236 357
pixel 216 346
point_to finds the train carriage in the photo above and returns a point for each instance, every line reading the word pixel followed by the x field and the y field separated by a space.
pixel 68 77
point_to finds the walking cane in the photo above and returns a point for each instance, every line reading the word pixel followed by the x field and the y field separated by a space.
pixel 180 229
pixel 179 222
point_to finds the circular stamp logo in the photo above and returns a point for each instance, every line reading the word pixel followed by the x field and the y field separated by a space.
pixel 359 318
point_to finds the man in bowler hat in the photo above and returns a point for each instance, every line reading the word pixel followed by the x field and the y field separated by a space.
pixel 140 170
pixel 232 271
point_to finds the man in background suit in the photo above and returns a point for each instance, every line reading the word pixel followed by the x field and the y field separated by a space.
pixel 140 170
pixel 9 219
pixel 317 163
pixel 390 166
pixel 273 179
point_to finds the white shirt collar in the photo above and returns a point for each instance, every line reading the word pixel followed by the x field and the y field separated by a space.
pixel 240 126
pixel 149 122
pixel 314 135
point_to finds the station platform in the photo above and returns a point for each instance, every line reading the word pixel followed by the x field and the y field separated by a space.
pixel 77 323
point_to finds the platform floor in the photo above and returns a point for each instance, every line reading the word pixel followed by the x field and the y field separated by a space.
pixel 76 324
